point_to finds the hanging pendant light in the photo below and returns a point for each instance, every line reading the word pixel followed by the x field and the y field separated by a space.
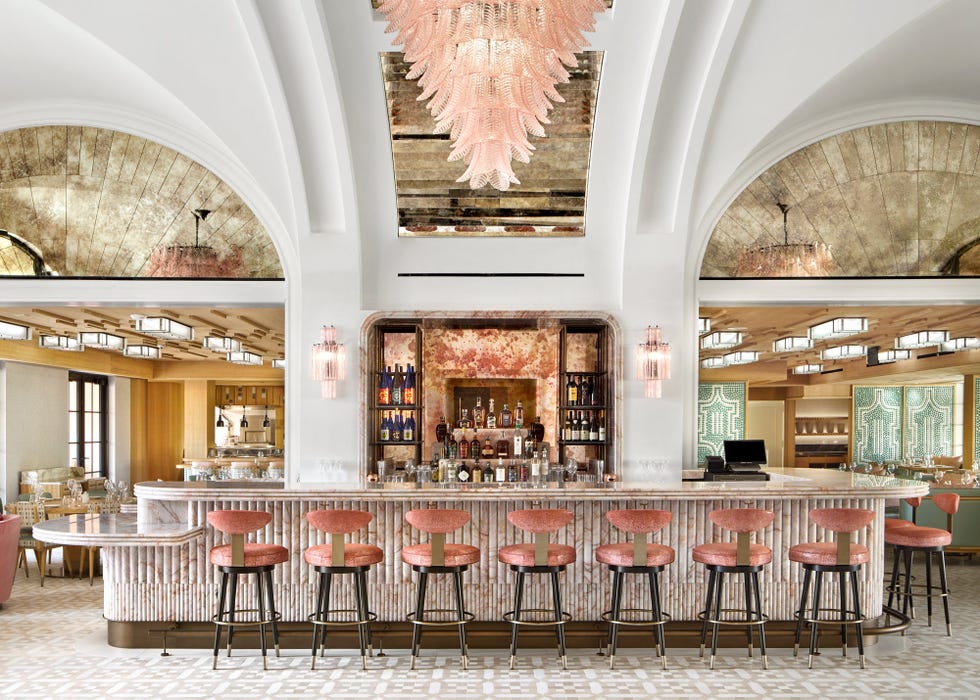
pixel 265 421
pixel 785 259
pixel 244 421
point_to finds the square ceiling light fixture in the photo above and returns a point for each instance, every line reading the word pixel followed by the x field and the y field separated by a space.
pixel 704 325
pixel 163 327
pixel 143 352
pixel 59 342
pixel 721 340
pixel 742 357
pixel 791 343
pixel 279 363
pixel 244 357
pixel 102 341
pixel 712 363
pixel 921 339
pixel 815 368
pixel 14 331
pixel 886 357
pixel 843 352
pixel 957 344
pixel 838 328
pixel 220 343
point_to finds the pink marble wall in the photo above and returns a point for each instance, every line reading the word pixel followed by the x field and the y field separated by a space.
pixel 490 353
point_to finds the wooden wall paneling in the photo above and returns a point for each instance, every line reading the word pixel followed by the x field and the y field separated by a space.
pixel 789 433
pixel 196 417
pixel 165 430
pixel 138 431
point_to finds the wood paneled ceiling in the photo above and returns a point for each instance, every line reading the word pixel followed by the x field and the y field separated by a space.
pixel 896 199
pixel 761 325
pixel 260 329
pixel 96 202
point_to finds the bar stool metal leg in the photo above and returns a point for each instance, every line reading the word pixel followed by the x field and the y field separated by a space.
pixel 461 616
pixel 617 597
pixel 815 608
pixel 707 610
pixel 270 593
pixel 762 627
pixel 747 585
pixel 928 589
pixel 221 610
pixel 719 585
pixel 801 612
pixel 658 617
pixel 419 616
pixel 559 627
pixel 945 590
pixel 260 596
pixel 842 588
pixel 322 604
pixel 518 602
pixel 857 614
pixel 232 595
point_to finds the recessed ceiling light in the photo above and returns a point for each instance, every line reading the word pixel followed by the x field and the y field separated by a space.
pixel 808 369
pixel 704 325
pixel 60 342
pixel 244 357
pixel 843 352
pixel 102 341
pixel 163 327
pixel 921 339
pixel 279 363
pixel 219 343
pixel 144 352
pixel 791 343
pixel 712 362
pixel 721 340
pixel 742 357
pixel 888 356
pixel 838 328
pixel 14 331
pixel 957 344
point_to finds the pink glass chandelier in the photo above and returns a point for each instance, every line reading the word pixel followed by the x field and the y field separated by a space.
pixel 489 71
pixel 195 260
pixel 785 259
pixel 328 362
pixel 653 362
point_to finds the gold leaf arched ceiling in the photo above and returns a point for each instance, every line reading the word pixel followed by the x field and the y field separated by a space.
pixel 96 202
pixel 896 199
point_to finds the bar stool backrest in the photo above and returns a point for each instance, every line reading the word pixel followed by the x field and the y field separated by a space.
pixel 843 521
pixel 338 523
pixel 639 522
pixel 438 522
pixel 238 523
pixel 948 503
pixel 742 521
pixel 540 521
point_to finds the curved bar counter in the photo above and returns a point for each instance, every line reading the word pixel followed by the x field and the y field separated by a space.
pixel 172 581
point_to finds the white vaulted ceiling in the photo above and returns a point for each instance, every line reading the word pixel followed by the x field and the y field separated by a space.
pixel 284 101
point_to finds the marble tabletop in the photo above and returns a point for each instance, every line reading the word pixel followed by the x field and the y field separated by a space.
pixel 116 530
pixel 783 483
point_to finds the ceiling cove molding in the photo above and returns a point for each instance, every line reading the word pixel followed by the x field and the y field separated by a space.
pixel 769 154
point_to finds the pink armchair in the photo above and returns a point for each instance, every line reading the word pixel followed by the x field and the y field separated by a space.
pixel 9 537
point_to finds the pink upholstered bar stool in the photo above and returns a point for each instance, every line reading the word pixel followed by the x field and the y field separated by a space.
pixel 739 557
pixel 891 523
pixel 636 557
pixel 841 558
pixel 929 540
pixel 245 558
pixel 439 557
pixel 541 557
pixel 336 559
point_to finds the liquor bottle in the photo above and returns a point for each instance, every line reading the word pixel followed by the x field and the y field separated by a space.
pixel 384 393
pixel 537 429
pixel 593 428
pixel 583 427
pixel 479 414
pixel 519 415
pixel 475 446
pixel 571 391
pixel 491 422
pixel 408 432
pixel 566 432
pixel 408 393
pixel 463 473
pixel 487 451
pixel 487 473
pixel 602 427
pixel 453 451
pixel 506 417
pixel 501 474
pixel 530 445
pixel 503 446
pixel 441 429
pixel 511 471
pixel 397 383
pixel 464 446
pixel 476 474
pixel 524 471
pixel 588 389
pixel 536 469
pixel 396 428
pixel 518 442
pixel 464 420
pixel 576 432
pixel 385 428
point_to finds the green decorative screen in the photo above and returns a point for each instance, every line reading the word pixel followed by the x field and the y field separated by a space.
pixel 901 422
pixel 928 421
pixel 877 423
pixel 721 416
pixel 976 418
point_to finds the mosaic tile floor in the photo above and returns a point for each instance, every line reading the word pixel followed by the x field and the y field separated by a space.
pixel 53 644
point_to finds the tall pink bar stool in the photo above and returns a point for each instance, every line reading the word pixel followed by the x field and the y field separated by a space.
pixel 245 558
pixel 841 558
pixel 899 522
pixel 439 557
pixel 340 558
pixel 929 540
pixel 636 557
pixel 739 557
pixel 542 557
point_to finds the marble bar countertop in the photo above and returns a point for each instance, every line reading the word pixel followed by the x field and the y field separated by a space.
pixel 783 484
pixel 115 530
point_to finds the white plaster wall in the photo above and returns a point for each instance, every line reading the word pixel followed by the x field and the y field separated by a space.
pixel 119 424
pixel 35 420
pixel 764 421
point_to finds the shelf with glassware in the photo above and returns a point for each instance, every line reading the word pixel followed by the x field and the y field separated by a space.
pixel 583 411
pixel 396 408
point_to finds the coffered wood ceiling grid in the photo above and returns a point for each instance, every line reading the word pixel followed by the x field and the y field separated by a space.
pixel 896 199
pixel 761 325
pixel 260 329
pixel 96 202
pixel 550 201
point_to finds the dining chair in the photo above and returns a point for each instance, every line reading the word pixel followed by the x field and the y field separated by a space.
pixel 31 512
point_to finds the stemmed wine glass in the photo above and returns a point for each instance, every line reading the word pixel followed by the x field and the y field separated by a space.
pixel 571 468
pixel 410 469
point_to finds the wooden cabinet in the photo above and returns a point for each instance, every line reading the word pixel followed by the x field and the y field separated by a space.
pixel 249 395
pixel 583 409
pixel 396 362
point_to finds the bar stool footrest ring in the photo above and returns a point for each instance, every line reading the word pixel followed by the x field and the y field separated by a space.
pixel 851 617
pixel 272 616
pixel 341 623
pixel 565 617
pixel 607 615
pixel 755 619
pixel 467 617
